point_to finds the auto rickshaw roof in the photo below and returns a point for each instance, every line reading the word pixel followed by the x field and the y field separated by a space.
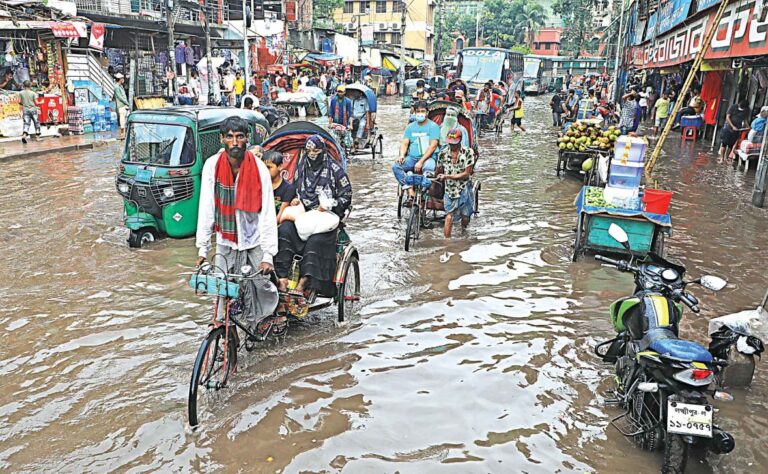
pixel 206 116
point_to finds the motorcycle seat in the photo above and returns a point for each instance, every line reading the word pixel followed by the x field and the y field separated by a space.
pixel 681 349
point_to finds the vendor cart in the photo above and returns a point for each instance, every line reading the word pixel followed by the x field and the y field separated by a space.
pixel 646 231
pixel 571 161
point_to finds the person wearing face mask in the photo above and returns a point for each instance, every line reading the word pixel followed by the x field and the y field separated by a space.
pixel 236 202
pixel 316 173
pixel 456 163
pixel 420 141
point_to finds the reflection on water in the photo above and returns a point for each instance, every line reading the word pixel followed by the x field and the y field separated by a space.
pixel 474 355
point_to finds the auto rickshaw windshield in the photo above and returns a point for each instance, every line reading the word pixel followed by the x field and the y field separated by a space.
pixel 159 144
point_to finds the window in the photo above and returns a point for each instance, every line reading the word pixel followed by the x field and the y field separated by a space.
pixel 379 37
pixel 381 6
pixel 364 7
pixel 348 6
pixel 395 38
pixel 398 6
pixel 547 45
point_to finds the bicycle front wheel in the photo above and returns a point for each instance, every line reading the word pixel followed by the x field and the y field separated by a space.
pixel 215 361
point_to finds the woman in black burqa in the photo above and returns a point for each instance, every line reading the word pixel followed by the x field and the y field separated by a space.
pixel 316 172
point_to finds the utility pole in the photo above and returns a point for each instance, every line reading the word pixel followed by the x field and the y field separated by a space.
pixel 403 16
pixel 439 48
pixel 246 68
pixel 712 28
pixel 616 92
pixel 359 41
pixel 208 58
pixel 169 23
pixel 477 28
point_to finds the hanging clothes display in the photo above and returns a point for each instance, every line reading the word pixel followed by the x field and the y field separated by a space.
pixel 189 56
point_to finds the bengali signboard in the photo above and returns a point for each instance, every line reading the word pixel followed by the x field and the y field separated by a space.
pixel 704 4
pixel 670 14
pixel 740 33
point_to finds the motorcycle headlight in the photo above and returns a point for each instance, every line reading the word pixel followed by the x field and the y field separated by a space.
pixel 168 192
pixel 123 188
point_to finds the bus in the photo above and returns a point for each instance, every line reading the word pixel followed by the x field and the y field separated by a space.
pixel 537 75
pixel 476 66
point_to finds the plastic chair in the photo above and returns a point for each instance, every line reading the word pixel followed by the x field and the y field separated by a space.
pixel 690 124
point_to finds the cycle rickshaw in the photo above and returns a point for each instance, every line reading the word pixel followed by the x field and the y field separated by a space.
pixel 373 141
pixel 429 194
pixel 217 357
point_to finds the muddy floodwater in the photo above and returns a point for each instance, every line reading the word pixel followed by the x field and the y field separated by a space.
pixel 471 355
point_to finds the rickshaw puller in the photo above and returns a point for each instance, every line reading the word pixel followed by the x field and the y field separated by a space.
pixel 457 162
pixel 236 201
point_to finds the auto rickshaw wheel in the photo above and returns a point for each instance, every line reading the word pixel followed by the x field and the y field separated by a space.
pixel 138 238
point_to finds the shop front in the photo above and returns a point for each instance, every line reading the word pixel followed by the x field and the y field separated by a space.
pixel 33 52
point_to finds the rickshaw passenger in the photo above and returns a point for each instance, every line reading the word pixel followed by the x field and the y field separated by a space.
pixel 457 162
pixel 420 141
pixel 340 113
pixel 450 122
pixel 284 191
pixel 316 173
pixel 236 202
pixel 360 112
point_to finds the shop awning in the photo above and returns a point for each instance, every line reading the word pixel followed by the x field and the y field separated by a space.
pixel 391 63
pixel 322 57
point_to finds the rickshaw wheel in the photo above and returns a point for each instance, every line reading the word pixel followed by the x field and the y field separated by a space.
pixel 283 117
pixel 400 198
pixel 477 198
pixel 138 238
pixel 349 291
pixel 412 230
pixel 378 147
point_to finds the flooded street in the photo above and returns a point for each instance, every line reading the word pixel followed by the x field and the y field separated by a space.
pixel 482 363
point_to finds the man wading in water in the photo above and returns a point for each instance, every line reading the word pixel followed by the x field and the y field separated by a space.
pixel 457 162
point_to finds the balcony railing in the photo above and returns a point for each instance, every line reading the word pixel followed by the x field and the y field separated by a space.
pixel 150 10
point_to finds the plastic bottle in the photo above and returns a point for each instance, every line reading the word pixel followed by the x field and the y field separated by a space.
pixel 295 273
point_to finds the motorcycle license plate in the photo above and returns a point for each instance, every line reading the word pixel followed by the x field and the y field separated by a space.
pixel 687 419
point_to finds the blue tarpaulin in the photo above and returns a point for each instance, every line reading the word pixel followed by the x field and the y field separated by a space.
pixel 322 57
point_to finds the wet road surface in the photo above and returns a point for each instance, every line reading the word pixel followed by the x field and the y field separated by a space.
pixel 479 364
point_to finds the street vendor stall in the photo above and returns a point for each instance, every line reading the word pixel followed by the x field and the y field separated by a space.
pixel 583 146
pixel 646 230
pixel 643 213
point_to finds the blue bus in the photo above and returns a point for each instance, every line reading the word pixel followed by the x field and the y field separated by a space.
pixel 476 66
pixel 537 75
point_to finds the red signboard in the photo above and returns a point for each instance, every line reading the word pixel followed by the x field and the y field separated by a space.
pixel 67 29
pixel 290 11
pixel 740 33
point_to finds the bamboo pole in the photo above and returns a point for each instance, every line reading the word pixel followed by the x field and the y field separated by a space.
pixel 686 85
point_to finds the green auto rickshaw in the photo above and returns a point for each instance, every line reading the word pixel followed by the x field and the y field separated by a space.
pixel 409 87
pixel 159 173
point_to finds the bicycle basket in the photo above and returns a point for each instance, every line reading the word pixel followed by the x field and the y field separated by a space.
pixel 214 285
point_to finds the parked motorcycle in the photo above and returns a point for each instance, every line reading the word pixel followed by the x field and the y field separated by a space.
pixel 662 381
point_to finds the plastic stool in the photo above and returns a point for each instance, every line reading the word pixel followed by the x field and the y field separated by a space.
pixel 690 133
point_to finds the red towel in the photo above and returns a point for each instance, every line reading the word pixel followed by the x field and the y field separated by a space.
pixel 246 197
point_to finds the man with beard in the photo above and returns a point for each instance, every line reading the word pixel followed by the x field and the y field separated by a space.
pixel 236 201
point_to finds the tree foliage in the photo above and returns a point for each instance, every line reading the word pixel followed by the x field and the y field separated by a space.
pixel 507 23
pixel 503 23
pixel 577 15
pixel 323 9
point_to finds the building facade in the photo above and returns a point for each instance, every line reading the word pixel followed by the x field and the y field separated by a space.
pixel 547 41
pixel 385 16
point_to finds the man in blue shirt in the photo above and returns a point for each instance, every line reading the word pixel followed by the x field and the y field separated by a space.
pixel 341 108
pixel 419 143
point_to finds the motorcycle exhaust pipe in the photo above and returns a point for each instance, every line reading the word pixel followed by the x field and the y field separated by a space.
pixel 721 442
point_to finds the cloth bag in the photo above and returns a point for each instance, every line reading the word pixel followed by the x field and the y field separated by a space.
pixel 315 222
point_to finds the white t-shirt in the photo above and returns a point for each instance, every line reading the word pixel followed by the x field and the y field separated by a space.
pixel 249 96
pixel 303 80
pixel 194 87
pixel 643 99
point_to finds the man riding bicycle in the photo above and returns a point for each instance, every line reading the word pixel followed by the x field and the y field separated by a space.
pixel 236 201
pixel 419 143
